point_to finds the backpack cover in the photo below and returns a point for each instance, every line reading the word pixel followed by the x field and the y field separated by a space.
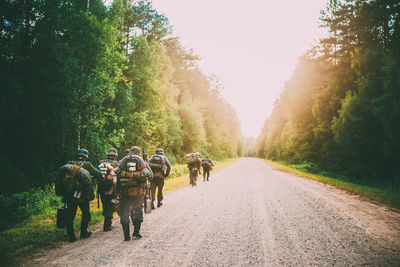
pixel 73 180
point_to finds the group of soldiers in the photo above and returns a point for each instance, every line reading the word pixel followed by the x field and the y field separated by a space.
pixel 122 186
pixel 194 163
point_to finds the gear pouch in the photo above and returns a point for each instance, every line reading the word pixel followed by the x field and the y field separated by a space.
pixel 131 166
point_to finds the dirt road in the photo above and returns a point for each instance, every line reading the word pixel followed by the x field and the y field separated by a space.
pixel 248 214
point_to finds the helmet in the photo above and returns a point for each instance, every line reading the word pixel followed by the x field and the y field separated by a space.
pixel 83 153
pixel 159 151
pixel 135 150
pixel 112 152
pixel 197 154
pixel 128 151
pixel 145 156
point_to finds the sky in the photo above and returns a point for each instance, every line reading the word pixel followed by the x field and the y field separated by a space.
pixel 252 46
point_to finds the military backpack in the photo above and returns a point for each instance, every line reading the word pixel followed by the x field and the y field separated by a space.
pixel 107 185
pixel 130 178
pixel 157 165
pixel 75 182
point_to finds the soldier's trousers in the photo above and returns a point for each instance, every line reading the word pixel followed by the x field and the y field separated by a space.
pixel 108 206
pixel 193 176
pixel 206 173
pixel 131 207
pixel 71 213
pixel 157 182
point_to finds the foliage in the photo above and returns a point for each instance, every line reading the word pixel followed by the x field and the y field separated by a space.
pixel 339 111
pixel 99 77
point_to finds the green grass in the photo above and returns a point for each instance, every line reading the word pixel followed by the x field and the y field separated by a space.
pixel 32 226
pixel 387 194
pixel 38 232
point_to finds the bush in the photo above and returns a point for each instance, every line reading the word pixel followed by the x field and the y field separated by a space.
pixel 16 208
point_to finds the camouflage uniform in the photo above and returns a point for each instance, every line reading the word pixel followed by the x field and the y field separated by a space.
pixel 159 178
pixel 107 190
pixel 131 205
pixel 194 169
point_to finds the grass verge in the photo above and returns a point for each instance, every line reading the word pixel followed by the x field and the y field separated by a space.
pixel 38 232
pixel 386 194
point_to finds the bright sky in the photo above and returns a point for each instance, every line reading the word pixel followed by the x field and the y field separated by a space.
pixel 252 46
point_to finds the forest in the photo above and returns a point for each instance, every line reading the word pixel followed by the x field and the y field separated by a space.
pixel 340 111
pixel 82 74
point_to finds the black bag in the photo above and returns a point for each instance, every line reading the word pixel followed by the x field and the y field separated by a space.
pixel 62 216
pixel 156 163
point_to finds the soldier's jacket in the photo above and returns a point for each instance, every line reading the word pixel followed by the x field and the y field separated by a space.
pixel 144 172
pixel 151 172
pixel 106 184
pixel 168 166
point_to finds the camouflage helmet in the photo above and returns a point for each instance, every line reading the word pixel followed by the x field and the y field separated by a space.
pixel 83 153
pixel 128 151
pixel 135 150
pixel 159 151
pixel 112 152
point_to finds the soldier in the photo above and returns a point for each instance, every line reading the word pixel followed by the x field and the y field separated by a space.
pixel 131 179
pixel 194 167
pixel 107 186
pixel 207 165
pixel 74 183
pixel 161 168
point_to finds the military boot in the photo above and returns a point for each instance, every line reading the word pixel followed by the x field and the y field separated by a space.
pixel 107 224
pixel 125 228
pixel 71 234
pixel 84 232
pixel 136 229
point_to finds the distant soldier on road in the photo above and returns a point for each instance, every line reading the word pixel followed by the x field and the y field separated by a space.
pixel 194 167
pixel 75 184
pixel 107 186
pixel 132 175
pixel 207 165
pixel 161 168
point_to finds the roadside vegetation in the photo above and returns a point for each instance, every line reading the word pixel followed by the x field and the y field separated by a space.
pixel 29 218
pixel 338 115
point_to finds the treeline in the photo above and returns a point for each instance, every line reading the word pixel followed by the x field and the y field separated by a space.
pixel 77 73
pixel 340 111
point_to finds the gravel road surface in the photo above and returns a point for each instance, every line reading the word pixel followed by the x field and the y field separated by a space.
pixel 248 214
